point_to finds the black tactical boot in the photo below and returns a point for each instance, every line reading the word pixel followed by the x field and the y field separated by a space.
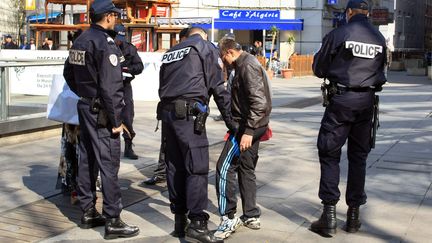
pixel 353 223
pixel 128 151
pixel 327 223
pixel 180 225
pixel 153 180
pixel 198 232
pixel 115 228
pixel 92 218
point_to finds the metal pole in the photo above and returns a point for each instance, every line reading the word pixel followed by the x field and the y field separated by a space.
pixel 264 43
pixel 4 94
pixel 212 29
pixel 403 30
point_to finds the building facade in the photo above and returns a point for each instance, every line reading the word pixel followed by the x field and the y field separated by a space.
pixel 318 18
pixel 8 20
pixel 409 24
pixel 428 26
pixel 308 33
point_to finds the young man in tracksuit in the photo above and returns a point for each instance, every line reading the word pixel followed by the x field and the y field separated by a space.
pixel 250 107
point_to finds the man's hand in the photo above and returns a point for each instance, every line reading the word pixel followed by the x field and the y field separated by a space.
pixel 117 130
pixel 246 142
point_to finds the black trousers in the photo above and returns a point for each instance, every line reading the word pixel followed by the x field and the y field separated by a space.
pixel 99 150
pixel 232 163
pixel 349 116
pixel 187 161
pixel 128 111
pixel 160 171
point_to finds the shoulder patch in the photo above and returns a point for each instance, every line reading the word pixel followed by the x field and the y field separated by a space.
pixel 364 50
pixel 113 59
pixel 174 56
pixel 110 40
pixel 77 57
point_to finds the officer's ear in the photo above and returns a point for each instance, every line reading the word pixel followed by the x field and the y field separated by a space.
pixel 349 13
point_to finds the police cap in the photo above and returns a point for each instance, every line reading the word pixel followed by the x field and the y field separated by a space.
pixel 358 4
pixel 121 32
pixel 104 6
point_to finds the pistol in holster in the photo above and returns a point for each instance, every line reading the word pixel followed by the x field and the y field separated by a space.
pixel 201 112
pixel 96 107
pixel 328 90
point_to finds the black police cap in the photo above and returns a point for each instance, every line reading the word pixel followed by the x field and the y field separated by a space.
pixel 358 4
pixel 104 6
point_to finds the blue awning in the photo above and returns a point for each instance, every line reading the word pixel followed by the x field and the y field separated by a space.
pixel 41 17
pixel 282 24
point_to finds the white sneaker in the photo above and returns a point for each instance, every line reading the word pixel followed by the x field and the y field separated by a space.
pixel 252 223
pixel 227 226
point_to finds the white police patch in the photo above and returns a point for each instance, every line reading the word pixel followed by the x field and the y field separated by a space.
pixel 113 59
pixel 109 39
pixel 176 55
pixel 77 57
pixel 364 50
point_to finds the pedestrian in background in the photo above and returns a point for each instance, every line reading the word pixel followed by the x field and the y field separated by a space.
pixel 250 106
pixel 49 44
pixel 131 66
pixel 93 72
pixel 190 73
pixel 9 43
pixel 352 57
pixel 31 45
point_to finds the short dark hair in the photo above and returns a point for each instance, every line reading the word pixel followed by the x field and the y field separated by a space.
pixel 226 44
pixel 183 33
pixel 96 17
pixel 195 30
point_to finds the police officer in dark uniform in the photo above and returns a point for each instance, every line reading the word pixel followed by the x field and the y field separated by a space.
pixel 93 72
pixel 131 66
pixel 190 73
pixel 159 175
pixel 352 58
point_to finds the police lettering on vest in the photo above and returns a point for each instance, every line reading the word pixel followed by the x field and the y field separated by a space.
pixel 77 57
pixel 175 56
pixel 363 50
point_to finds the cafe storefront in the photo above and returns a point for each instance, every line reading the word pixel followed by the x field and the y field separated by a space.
pixel 254 25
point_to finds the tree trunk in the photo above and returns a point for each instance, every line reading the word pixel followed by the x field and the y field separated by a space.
pixel 271 50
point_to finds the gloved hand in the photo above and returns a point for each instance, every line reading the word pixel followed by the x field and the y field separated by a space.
pixel 232 126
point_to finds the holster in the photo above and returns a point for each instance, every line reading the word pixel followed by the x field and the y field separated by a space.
pixel 96 107
pixel 328 90
pixel 159 111
pixel 201 113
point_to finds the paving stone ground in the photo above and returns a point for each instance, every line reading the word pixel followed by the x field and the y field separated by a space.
pixel 398 184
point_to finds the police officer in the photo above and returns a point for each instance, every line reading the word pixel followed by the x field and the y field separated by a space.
pixel 131 66
pixel 352 58
pixel 159 175
pixel 93 72
pixel 190 72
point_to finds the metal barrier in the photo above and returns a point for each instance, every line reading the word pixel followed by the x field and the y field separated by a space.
pixel 24 122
